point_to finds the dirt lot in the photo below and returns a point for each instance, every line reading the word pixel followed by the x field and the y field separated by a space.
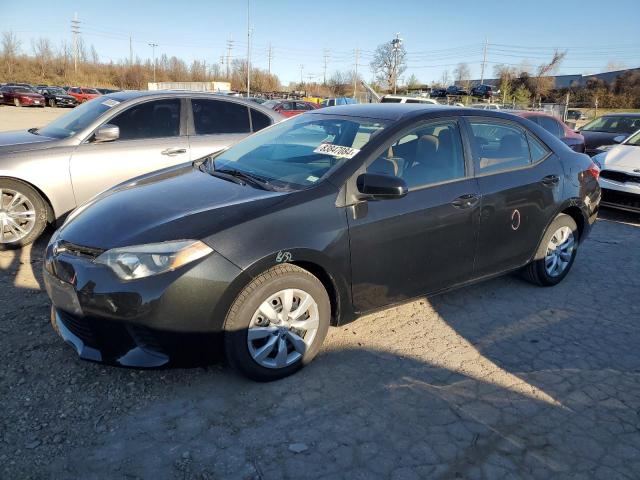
pixel 498 380
pixel 15 118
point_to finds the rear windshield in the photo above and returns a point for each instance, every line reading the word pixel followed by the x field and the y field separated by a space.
pixel 613 124
pixel 390 100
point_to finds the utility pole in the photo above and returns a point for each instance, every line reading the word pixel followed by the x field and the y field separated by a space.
pixel 326 59
pixel 75 29
pixel 248 51
pixel 484 60
pixel 153 47
pixel 229 47
pixel 355 75
pixel 301 79
pixel 130 51
pixel 396 43
pixel 270 56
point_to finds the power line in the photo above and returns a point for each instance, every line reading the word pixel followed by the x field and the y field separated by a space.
pixel 75 30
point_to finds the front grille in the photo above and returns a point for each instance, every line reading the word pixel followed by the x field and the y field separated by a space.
pixel 620 177
pixel 77 250
pixel 627 201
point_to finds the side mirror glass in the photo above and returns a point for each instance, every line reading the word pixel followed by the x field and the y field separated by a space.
pixel 619 139
pixel 107 133
pixel 381 187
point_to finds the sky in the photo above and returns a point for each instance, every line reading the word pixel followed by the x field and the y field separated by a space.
pixel 436 35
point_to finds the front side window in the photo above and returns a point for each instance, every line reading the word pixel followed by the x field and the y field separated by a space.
pixel 300 152
pixel 431 153
pixel 212 117
pixel 76 120
pixel 156 119
pixel 498 146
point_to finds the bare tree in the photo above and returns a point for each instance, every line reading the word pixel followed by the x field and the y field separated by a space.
pixel 10 51
pixel 95 58
pixel 445 79
pixel 43 54
pixel 507 75
pixel 388 63
pixel 462 74
pixel 613 65
pixel 413 81
pixel 542 83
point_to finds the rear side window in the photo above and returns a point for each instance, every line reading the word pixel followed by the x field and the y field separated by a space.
pixel 537 149
pixel 217 116
pixel 259 120
pixel 499 146
pixel 156 119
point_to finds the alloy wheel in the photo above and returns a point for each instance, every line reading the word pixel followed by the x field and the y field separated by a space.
pixel 17 216
pixel 559 251
pixel 283 328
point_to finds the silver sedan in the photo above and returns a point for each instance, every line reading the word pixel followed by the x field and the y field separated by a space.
pixel 47 172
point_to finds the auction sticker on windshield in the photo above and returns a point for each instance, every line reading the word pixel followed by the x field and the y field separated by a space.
pixel 110 102
pixel 336 150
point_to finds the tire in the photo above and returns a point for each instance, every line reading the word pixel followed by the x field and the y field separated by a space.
pixel 34 224
pixel 52 103
pixel 16 102
pixel 247 308
pixel 537 272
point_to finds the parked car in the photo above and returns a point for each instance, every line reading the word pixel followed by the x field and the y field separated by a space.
pixel 620 174
pixel 257 100
pixel 608 130
pixel 576 115
pixel 407 99
pixel 482 91
pixel 47 172
pixel 455 90
pixel 57 97
pixel 332 102
pixel 310 223
pixel 21 97
pixel 290 108
pixel 438 93
pixel 557 128
pixel 28 86
pixel 82 94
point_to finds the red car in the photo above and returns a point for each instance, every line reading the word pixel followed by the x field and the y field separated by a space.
pixel 82 94
pixel 289 108
pixel 574 140
pixel 21 97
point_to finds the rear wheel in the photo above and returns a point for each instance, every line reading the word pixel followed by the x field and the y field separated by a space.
pixel 277 324
pixel 23 214
pixel 556 253
pixel 52 103
pixel 16 102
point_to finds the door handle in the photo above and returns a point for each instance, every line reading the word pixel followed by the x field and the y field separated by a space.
pixel 551 180
pixel 466 201
pixel 173 151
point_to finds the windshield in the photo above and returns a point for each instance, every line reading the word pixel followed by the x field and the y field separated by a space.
pixel 613 124
pixel 90 91
pixel 56 91
pixel 22 90
pixel 634 139
pixel 77 119
pixel 299 153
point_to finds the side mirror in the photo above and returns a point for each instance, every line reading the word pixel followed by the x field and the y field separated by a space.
pixel 381 187
pixel 107 133
pixel 619 139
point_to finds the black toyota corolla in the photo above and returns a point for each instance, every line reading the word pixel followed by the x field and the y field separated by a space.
pixel 310 223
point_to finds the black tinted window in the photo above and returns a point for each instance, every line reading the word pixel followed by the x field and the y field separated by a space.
pixel 550 125
pixel 155 119
pixel 431 153
pixel 499 146
pixel 218 116
pixel 259 120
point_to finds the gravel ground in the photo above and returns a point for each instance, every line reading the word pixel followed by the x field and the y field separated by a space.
pixel 499 380
pixel 22 118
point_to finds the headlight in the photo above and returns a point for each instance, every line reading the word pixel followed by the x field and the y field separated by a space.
pixel 140 261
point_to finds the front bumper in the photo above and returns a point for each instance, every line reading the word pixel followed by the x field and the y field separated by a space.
pixel 620 199
pixel 141 323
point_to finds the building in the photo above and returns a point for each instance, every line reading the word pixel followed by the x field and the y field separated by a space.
pixel 222 87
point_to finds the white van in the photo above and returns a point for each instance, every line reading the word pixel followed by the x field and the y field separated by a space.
pixel 405 99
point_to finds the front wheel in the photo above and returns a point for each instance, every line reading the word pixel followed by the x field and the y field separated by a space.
pixel 277 323
pixel 16 102
pixel 52 103
pixel 556 253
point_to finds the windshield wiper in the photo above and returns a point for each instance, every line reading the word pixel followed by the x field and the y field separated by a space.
pixel 254 180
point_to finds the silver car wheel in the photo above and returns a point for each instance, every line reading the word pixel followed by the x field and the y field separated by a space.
pixel 283 328
pixel 559 251
pixel 17 216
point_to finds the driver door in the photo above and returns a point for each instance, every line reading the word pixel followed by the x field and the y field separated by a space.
pixel 150 139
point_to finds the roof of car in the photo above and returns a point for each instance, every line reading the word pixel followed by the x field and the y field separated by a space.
pixel 383 111
pixel 622 114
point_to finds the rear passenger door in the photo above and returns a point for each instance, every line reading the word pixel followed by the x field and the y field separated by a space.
pixel 216 124
pixel 520 180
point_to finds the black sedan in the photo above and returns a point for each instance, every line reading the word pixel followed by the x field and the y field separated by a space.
pixel 608 130
pixel 310 223
pixel 57 97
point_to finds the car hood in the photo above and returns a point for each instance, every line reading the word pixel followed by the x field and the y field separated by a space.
pixel 596 139
pixel 23 140
pixel 172 204
pixel 622 157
